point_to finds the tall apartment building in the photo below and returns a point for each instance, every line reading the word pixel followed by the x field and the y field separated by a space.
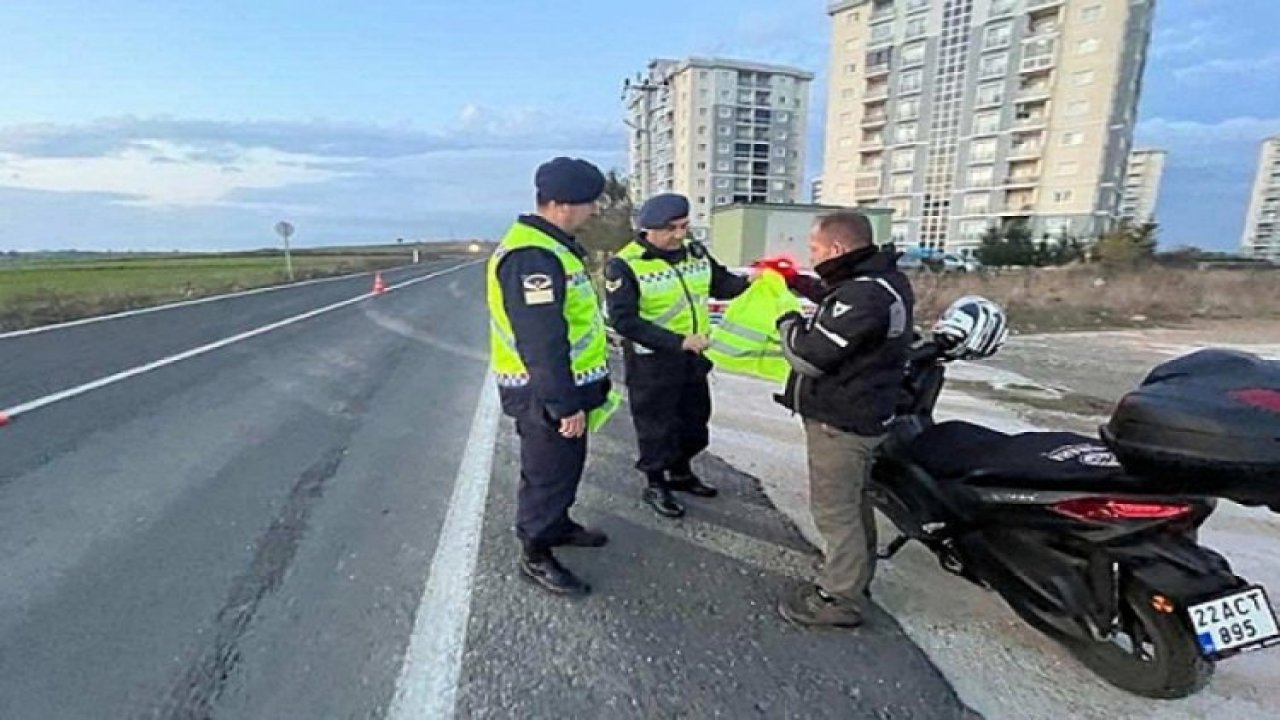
pixel 1142 185
pixel 962 114
pixel 718 131
pixel 1262 225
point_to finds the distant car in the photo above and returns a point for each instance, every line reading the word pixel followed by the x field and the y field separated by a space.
pixel 955 263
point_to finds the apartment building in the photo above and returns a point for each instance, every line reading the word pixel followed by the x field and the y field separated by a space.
pixel 1262 224
pixel 963 114
pixel 718 131
pixel 1142 185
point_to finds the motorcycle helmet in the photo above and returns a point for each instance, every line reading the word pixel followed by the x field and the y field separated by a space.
pixel 971 329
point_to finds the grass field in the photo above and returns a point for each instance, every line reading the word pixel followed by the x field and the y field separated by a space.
pixel 39 291
pixel 1085 298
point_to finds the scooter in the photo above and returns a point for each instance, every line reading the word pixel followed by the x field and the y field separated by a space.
pixel 1101 559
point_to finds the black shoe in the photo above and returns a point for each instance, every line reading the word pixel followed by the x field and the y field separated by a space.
pixel 659 498
pixel 583 537
pixel 693 485
pixel 546 571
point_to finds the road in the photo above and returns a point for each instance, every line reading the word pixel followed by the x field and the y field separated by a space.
pixel 254 528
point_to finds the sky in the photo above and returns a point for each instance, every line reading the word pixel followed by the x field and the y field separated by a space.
pixel 195 125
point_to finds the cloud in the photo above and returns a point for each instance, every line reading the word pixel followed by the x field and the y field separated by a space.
pixel 476 128
pixel 1222 69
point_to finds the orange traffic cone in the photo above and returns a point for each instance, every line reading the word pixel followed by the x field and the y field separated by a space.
pixel 379 286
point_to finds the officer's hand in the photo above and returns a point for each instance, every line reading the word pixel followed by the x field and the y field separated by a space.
pixel 695 343
pixel 574 425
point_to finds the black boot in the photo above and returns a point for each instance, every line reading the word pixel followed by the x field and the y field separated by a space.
pixel 658 496
pixel 583 537
pixel 683 480
pixel 539 565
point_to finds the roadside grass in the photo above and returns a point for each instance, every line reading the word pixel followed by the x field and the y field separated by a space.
pixel 42 291
pixel 1084 298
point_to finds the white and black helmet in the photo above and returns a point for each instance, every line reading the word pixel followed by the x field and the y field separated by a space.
pixel 972 328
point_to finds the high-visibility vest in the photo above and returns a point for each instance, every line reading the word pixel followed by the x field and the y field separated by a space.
pixel 747 342
pixel 588 345
pixel 673 296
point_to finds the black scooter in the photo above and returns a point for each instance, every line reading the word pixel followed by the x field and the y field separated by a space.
pixel 1102 560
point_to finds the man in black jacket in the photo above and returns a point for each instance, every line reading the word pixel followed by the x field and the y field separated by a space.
pixel 847 367
pixel 657 289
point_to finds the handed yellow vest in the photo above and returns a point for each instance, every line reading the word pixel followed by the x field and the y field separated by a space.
pixel 588 346
pixel 746 342
pixel 672 296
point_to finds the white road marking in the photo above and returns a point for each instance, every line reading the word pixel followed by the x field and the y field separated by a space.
pixel 184 303
pixel 428 683
pixel 10 414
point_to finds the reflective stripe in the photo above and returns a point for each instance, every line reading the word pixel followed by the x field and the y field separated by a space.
pixel 672 312
pixel 839 341
pixel 743 332
pixel 506 338
pixel 731 351
pixel 583 343
pixel 897 311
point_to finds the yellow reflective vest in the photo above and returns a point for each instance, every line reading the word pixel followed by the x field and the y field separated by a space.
pixel 746 342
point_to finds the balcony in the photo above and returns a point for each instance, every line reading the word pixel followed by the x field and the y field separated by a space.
pixel 875 119
pixel 1047 26
pixel 1024 150
pixel 1037 120
pixel 986 129
pixel 1022 180
pixel 872 142
pixel 989 101
pixel 881 11
pixel 1037 91
pixel 878 70
pixel 878 91
pixel 1036 63
pixel 868 183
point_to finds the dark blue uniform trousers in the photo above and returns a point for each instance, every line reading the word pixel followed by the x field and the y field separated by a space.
pixel 550 470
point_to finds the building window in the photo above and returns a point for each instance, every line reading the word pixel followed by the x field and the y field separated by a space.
pixel 1062 196
pixel 998 36
pixel 845 166
pixel 780 152
pixel 980 176
pixel 909 81
pixel 722 182
pixel 1076 108
pixel 1068 168
pixel 702 111
pixel 783 116
pixel 725 130
pixel 991 94
pixel 913 54
pixel 702 129
pixel 1091 13
pixel 973 229
pixel 977 203
pixel 1082 78
pixel 848 93
pixel 846 118
pixel 905 132
pixel 882 32
pixel 722 166
pixel 902 184
pixel 850 45
pixel 916 27
pixel 850 68
pixel 1001 7
pixel 1057 226
pixel 985 123
pixel 908 109
pixel 904 159
pixel 779 185
pixel 1072 138
pixel 995 65
pixel 702 147
pixel 725 112
pixel 846 142
pixel 1089 45
pixel 702 166
pixel 722 199
pixel 982 150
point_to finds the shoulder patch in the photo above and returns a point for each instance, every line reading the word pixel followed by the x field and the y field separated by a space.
pixel 612 285
pixel 838 308
pixel 538 289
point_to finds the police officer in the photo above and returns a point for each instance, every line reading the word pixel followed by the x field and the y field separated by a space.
pixel 657 289
pixel 549 352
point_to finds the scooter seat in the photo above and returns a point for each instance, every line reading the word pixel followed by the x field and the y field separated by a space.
pixel 980 456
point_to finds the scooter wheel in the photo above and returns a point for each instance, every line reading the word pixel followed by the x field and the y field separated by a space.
pixel 1154 654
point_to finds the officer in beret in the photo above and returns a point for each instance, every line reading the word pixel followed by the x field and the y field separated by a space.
pixel 657 289
pixel 549 350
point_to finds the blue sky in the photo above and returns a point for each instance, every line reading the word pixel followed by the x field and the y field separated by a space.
pixel 197 125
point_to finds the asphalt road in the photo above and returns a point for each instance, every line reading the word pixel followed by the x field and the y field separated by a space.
pixel 247 534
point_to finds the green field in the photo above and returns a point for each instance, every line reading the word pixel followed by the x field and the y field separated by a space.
pixel 46 289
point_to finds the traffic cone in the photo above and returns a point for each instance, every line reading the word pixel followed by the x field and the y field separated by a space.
pixel 379 286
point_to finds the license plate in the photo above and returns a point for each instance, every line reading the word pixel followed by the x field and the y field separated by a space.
pixel 1235 622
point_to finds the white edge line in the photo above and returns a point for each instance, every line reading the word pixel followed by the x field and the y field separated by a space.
pixel 38 403
pixel 188 303
pixel 427 686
